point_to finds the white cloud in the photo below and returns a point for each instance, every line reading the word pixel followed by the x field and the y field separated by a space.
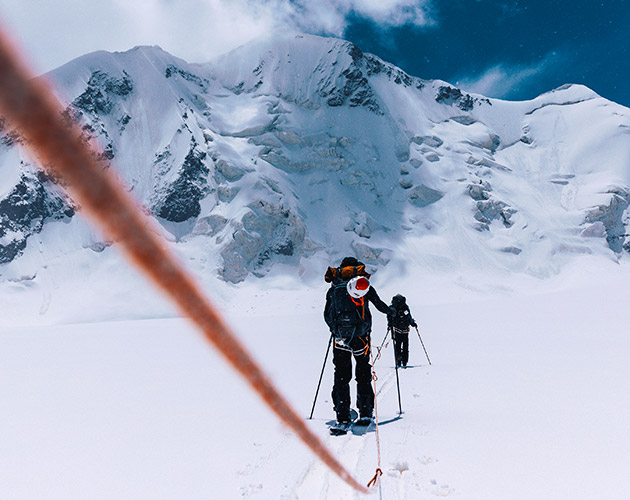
pixel 395 12
pixel 196 30
pixel 502 80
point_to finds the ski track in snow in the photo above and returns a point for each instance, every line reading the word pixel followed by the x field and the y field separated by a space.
pixel 355 450
pixel 527 397
pixel 529 394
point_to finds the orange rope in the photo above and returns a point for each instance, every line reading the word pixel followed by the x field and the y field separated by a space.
pixel 380 349
pixel 379 472
pixel 29 105
pixel 374 480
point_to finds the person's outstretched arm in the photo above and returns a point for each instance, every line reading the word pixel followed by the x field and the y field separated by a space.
pixel 373 297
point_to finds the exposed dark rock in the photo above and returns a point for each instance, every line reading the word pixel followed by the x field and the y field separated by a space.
pixel 96 98
pixel 452 95
pixel 266 231
pixel 478 192
pixel 356 89
pixel 464 120
pixel 226 194
pixel 375 66
pixel 238 89
pixel 288 137
pixel 368 254
pixel 23 213
pixel 512 250
pixel 361 224
pixel 11 138
pixel 108 152
pixel 430 141
pixel 124 121
pixel 210 225
pixel 355 53
pixel 448 95
pixel 182 199
pixel 258 69
pixel 228 171
pixel 422 196
pixel 611 216
pixel 466 103
pixel 489 210
pixel 172 71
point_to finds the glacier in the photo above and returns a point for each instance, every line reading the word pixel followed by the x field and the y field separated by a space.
pixel 503 223
pixel 290 152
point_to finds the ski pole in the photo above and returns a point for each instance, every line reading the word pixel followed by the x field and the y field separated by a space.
pixel 397 379
pixel 320 376
pixel 425 351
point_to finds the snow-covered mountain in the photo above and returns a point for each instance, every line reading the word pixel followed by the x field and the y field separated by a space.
pixel 297 150
pixel 276 160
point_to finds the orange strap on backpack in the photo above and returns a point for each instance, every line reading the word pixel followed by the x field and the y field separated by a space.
pixel 345 273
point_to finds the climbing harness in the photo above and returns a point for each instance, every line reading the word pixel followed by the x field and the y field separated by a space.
pixel 342 346
pixel 399 330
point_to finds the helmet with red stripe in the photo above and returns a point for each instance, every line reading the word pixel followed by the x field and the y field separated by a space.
pixel 358 287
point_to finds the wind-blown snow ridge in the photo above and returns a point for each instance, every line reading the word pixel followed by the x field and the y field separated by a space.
pixel 296 150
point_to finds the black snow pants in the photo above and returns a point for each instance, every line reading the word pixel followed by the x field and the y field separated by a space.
pixel 401 347
pixel 342 359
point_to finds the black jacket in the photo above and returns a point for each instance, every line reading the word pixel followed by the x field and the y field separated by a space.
pixel 402 318
pixel 366 323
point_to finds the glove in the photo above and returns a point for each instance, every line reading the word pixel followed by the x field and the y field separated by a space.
pixel 414 324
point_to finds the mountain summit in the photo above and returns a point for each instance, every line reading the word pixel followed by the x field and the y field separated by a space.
pixel 299 149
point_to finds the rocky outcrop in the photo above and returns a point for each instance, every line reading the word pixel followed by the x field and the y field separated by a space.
pixel 266 233
pixel 610 218
pixel 97 98
pixel 181 199
pixel 24 211
pixel 423 196
pixel 487 208
pixel 354 88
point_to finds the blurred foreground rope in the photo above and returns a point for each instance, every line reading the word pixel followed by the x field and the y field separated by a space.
pixel 29 106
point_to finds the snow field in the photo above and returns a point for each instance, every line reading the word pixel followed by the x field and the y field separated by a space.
pixel 528 397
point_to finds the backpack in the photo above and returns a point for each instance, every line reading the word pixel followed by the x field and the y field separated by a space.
pixel 345 312
pixel 345 273
pixel 402 318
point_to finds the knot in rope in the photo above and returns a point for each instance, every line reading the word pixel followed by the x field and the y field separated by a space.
pixel 374 480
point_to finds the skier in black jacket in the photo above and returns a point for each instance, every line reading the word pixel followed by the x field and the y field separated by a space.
pixel 399 324
pixel 350 322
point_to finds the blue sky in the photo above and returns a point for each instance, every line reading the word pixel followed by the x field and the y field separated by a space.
pixel 512 49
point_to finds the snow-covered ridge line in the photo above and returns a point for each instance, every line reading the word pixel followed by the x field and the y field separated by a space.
pixel 291 152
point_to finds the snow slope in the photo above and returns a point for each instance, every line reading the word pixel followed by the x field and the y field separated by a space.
pixel 527 397
pixel 291 152
pixel 504 223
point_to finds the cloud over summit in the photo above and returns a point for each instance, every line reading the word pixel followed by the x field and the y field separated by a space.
pixel 196 30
